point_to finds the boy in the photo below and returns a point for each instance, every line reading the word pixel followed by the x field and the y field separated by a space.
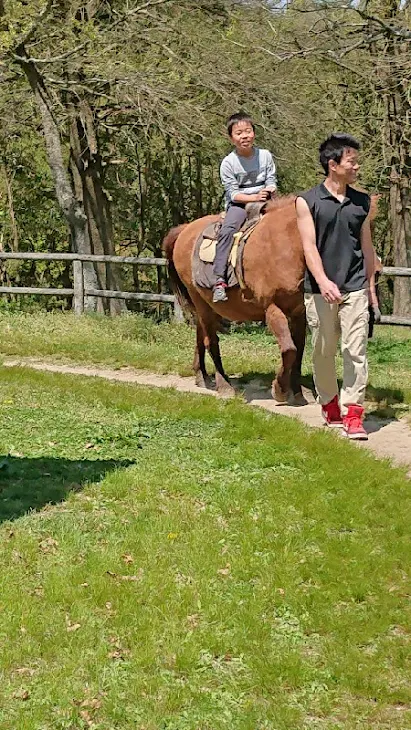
pixel 335 230
pixel 248 176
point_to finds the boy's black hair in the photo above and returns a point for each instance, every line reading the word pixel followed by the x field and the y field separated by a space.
pixel 333 148
pixel 238 117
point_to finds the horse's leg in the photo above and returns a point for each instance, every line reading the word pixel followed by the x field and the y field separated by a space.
pixel 278 324
pixel 199 367
pixel 222 383
pixel 209 321
pixel 298 329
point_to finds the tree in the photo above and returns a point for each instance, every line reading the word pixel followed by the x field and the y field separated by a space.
pixel 368 43
pixel 131 99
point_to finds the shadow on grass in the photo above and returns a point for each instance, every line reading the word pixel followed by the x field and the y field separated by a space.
pixel 29 484
pixel 388 396
pixel 390 403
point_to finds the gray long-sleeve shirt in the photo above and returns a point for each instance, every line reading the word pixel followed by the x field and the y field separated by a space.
pixel 247 175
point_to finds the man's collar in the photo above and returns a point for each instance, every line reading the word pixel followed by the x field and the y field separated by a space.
pixel 325 193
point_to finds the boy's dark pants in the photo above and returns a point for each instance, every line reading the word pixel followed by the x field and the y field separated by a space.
pixel 234 219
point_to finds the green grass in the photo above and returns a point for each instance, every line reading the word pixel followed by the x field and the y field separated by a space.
pixel 168 348
pixel 205 566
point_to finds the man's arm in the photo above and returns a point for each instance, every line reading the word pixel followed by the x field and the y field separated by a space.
pixel 369 260
pixel 328 289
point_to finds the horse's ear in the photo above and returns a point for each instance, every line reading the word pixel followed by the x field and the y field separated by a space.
pixel 374 205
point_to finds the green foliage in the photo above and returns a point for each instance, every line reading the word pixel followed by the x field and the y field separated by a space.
pixel 159 83
pixel 229 574
pixel 248 352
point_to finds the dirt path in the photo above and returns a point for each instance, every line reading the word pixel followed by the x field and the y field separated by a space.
pixel 390 439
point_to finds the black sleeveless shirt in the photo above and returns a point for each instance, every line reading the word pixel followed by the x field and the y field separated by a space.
pixel 337 233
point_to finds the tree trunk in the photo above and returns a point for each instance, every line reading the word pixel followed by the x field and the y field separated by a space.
pixel 87 169
pixel 199 185
pixel 400 213
pixel 10 205
pixel 70 206
pixel 400 204
pixel 397 113
pixel 142 197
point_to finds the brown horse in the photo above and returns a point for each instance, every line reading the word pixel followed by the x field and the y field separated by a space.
pixel 273 265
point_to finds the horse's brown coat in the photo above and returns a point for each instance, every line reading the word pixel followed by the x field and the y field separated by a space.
pixel 273 272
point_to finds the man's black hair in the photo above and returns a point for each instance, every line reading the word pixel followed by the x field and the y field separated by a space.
pixel 239 117
pixel 333 148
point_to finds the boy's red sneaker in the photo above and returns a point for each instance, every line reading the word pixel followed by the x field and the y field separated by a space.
pixel 353 423
pixel 331 414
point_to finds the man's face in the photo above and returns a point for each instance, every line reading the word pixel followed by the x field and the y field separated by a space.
pixel 243 135
pixel 347 168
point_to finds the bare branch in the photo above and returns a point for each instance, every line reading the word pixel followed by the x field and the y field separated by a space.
pixel 55 59
pixel 396 31
pixel 135 11
pixel 389 29
pixel 23 40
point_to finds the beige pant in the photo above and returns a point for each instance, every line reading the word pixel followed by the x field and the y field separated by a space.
pixel 327 322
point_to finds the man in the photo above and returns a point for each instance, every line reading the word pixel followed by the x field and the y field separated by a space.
pixel 335 230
pixel 248 176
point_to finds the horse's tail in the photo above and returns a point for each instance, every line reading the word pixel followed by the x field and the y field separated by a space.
pixel 177 285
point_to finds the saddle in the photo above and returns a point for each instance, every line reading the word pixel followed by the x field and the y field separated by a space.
pixel 205 249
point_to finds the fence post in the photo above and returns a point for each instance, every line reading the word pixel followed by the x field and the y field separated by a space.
pixel 78 284
pixel 178 312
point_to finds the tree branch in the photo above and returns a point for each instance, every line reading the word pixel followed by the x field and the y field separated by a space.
pixel 135 11
pixel 30 32
pixel 55 59
pixel 391 30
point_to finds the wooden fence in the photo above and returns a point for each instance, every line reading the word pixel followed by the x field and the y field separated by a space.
pixel 78 292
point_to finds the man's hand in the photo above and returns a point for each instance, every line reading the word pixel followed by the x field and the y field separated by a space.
pixel 330 291
pixel 377 314
pixel 373 302
pixel 263 195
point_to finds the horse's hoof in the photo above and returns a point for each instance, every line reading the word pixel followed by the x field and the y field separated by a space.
pixel 279 395
pixel 226 391
pixel 201 381
pixel 297 399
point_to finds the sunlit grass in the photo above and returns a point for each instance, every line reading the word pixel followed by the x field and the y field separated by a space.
pixel 136 341
pixel 175 562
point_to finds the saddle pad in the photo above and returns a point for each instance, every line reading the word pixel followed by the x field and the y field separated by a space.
pixel 208 248
pixel 204 254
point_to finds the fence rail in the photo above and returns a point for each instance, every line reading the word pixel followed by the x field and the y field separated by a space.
pixel 79 292
pixel 393 318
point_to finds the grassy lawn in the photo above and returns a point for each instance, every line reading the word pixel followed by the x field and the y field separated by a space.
pixel 168 348
pixel 175 562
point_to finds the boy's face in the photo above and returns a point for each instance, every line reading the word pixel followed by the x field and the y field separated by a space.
pixel 243 135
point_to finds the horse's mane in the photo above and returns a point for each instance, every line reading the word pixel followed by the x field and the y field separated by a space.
pixel 280 202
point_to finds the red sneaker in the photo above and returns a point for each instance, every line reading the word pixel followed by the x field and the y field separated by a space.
pixel 331 414
pixel 353 425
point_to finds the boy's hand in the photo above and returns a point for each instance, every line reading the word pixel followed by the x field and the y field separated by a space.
pixel 263 195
